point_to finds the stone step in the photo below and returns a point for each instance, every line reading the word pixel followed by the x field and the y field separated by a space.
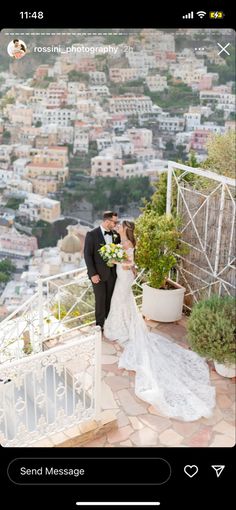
pixel 79 435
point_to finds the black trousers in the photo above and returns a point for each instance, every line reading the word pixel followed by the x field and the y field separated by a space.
pixel 103 293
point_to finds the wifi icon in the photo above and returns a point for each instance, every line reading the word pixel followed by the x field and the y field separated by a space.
pixel 201 14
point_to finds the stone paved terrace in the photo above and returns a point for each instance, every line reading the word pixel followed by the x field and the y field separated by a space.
pixel 140 424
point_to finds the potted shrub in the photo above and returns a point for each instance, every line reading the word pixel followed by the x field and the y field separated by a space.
pixel 212 332
pixel 158 244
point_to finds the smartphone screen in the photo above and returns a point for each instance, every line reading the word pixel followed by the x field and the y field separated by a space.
pixel 117 258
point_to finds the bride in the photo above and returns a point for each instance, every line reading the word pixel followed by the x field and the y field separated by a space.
pixel 173 379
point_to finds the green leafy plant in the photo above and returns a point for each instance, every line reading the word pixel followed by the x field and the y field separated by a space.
pixel 63 311
pixel 212 329
pixel 158 244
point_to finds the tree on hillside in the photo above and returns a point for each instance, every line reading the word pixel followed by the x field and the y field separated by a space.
pixel 13 202
pixel 78 76
pixel 158 199
pixel 221 154
pixel 49 233
pixel 6 269
pixel 220 159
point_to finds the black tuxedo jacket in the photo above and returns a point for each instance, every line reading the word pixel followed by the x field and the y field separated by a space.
pixel 94 262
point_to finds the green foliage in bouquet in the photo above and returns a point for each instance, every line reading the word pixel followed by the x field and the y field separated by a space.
pixel 212 329
pixel 111 253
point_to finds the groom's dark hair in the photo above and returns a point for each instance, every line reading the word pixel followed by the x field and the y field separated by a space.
pixel 107 215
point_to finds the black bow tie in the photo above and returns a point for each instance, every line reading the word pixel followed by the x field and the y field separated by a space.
pixel 106 233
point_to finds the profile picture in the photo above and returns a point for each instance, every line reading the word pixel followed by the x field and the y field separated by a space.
pixel 17 49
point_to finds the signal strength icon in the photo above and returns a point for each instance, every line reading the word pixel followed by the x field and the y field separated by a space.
pixel 201 14
pixel 188 16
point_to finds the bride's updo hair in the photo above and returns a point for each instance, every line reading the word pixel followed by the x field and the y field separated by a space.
pixel 130 227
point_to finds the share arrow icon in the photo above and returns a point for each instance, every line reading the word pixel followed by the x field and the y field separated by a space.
pixel 218 470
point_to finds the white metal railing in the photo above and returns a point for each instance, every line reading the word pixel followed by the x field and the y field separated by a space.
pixel 52 310
pixel 19 332
pixel 50 391
pixel 63 302
pixel 67 301
pixel 50 364
pixel 210 264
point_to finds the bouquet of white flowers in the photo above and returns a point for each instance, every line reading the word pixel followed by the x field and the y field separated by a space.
pixel 112 253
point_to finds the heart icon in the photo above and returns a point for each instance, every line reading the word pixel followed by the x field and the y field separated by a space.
pixel 190 470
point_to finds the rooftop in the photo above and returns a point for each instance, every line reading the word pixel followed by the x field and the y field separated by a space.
pixel 71 242
pixel 58 148
pixel 57 164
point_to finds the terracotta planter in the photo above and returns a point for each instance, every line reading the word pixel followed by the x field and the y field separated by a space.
pixel 163 305
pixel 225 369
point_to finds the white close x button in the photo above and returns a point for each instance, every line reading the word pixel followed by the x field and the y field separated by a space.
pixel 223 48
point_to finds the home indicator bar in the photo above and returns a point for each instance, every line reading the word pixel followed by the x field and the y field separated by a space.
pixel 118 503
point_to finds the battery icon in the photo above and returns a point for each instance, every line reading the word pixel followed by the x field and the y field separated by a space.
pixel 216 14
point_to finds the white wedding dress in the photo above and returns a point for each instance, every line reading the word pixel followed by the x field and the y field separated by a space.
pixel 173 379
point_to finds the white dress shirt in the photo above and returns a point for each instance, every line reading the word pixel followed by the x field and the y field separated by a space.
pixel 108 238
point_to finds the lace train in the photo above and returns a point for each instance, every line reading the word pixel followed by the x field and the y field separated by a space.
pixel 171 378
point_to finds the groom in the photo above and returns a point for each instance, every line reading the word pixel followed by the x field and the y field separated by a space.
pixel 103 277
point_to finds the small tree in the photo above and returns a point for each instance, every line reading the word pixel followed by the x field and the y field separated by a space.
pixel 221 154
pixel 6 136
pixel 6 269
pixel 158 199
pixel 4 278
pixel 158 244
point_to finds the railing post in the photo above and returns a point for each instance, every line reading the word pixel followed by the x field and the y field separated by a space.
pixel 219 230
pixel 168 193
pixel 41 325
pixel 98 371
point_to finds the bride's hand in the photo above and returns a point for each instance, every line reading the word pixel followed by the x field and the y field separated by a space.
pixel 134 271
pixel 126 266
